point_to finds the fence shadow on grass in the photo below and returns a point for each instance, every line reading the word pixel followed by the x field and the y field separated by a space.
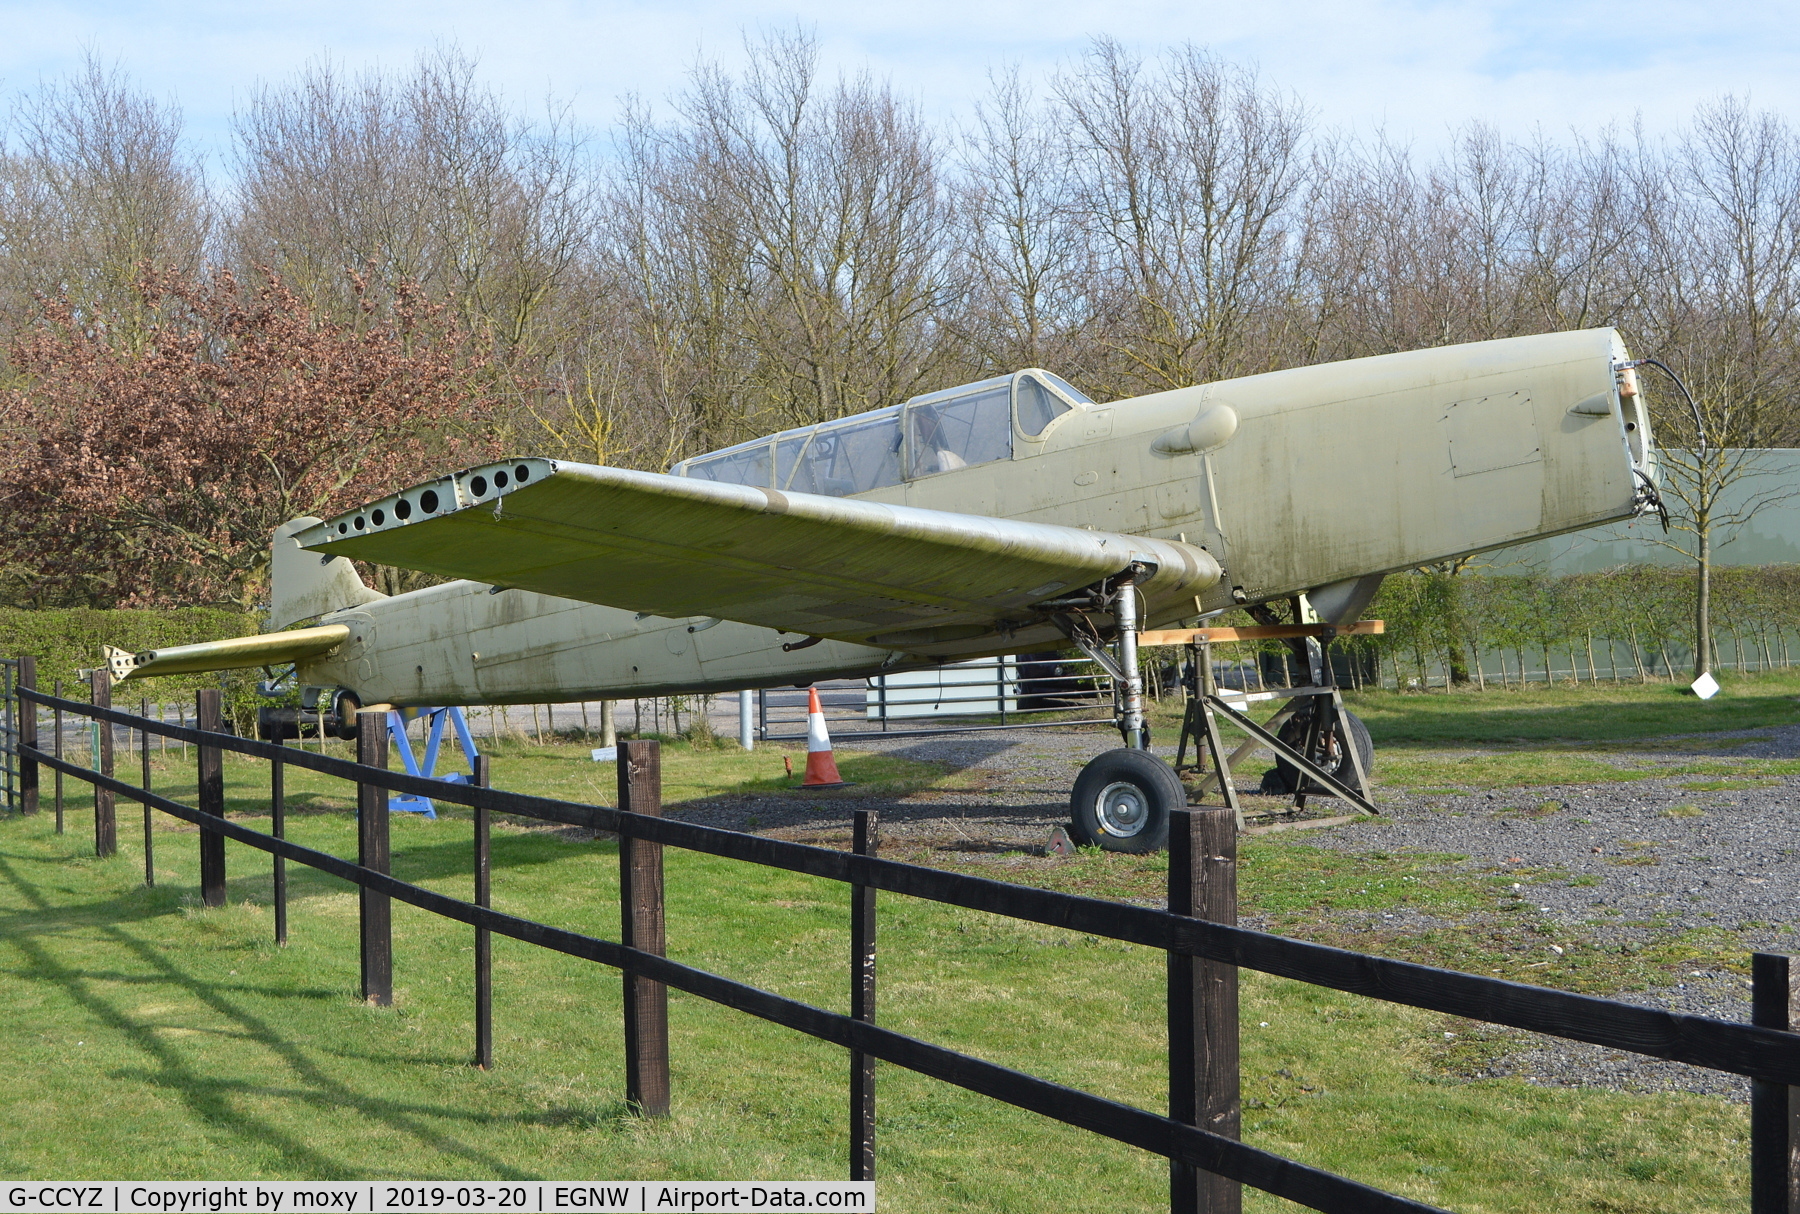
pixel 1205 950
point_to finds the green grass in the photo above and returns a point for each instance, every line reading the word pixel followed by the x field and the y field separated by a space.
pixel 1596 713
pixel 568 772
pixel 1445 743
pixel 151 1038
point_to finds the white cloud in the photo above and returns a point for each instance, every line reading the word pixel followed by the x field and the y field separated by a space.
pixel 1416 67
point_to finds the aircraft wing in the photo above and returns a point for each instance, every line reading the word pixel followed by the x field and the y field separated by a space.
pixel 896 576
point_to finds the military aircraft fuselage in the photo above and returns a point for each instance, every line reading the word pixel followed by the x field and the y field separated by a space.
pixel 466 643
pixel 1312 480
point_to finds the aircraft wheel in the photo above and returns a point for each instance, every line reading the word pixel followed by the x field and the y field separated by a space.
pixel 344 707
pixel 1122 801
pixel 1286 777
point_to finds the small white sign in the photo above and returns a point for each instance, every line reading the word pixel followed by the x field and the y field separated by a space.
pixel 606 754
pixel 1706 687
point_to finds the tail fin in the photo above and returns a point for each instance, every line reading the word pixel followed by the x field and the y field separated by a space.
pixel 304 584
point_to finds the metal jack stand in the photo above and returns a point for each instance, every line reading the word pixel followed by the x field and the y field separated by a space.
pixel 439 717
pixel 1210 707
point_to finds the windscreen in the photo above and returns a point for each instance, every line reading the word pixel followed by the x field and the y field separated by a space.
pixel 1038 406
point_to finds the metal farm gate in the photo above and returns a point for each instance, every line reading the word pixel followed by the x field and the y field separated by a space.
pixel 1028 691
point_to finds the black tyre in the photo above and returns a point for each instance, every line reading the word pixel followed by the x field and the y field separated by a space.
pixel 1285 777
pixel 341 723
pixel 1122 801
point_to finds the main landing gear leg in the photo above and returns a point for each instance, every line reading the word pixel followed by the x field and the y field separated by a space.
pixel 1123 798
pixel 1131 681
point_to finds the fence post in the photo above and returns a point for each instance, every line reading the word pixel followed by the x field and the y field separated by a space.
pixel 149 839
pixel 209 717
pixel 484 945
pixel 27 736
pixel 1774 1107
pixel 106 824
pixel 641 927
pixel 278 828
pixel 1203 1005
pixel 376 910
pixel 56 723
pixel 865 841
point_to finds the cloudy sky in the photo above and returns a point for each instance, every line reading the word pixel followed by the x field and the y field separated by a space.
pixel 1414 67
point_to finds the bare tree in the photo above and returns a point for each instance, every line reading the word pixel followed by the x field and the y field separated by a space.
pixel 779 253
pixel 95 186
pixel 1718 259
pixel 427 179
pixel 1031 301
pixel 1186 184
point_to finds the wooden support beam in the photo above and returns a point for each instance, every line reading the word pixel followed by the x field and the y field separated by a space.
pixel 373 851
pixel 865 841
pixel 106 822
pixel 1774 1107
pixel 56 723
pixel 278 825
pixel 210 762
pixel 1259 632
pixel 1203 1005
pixel 28 736
pixel 484 943
pixel 149 814
pixel 641 923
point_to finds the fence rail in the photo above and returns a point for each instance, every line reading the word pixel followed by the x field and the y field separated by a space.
pixel 1204 958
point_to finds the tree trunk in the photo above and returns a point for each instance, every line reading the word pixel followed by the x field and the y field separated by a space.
pixel 1703 599
pixel 1593 675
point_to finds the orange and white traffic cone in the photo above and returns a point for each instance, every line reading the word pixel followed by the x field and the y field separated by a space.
pixel 821 765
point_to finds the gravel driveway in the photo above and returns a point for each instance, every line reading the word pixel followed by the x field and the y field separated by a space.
pixel 1622 864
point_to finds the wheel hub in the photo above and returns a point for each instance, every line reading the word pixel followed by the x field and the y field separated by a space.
pixel 1122 809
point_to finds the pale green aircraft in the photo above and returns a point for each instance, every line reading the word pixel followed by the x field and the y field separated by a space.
pixel 1004 516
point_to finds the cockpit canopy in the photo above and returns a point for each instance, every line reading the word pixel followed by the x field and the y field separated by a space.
pixel 939 432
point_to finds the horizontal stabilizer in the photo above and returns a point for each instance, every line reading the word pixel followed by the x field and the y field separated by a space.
pixel 900 577
pixel 269 649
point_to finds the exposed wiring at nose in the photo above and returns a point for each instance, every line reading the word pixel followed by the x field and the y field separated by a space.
pixel 1699 425
pixel 1649 499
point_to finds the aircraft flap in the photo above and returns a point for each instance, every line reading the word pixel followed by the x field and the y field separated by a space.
pixel 897 576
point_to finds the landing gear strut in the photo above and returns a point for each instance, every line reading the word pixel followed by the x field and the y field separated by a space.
pixel 1123 798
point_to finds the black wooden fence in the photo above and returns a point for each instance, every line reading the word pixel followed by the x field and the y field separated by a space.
pixel 1205 949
